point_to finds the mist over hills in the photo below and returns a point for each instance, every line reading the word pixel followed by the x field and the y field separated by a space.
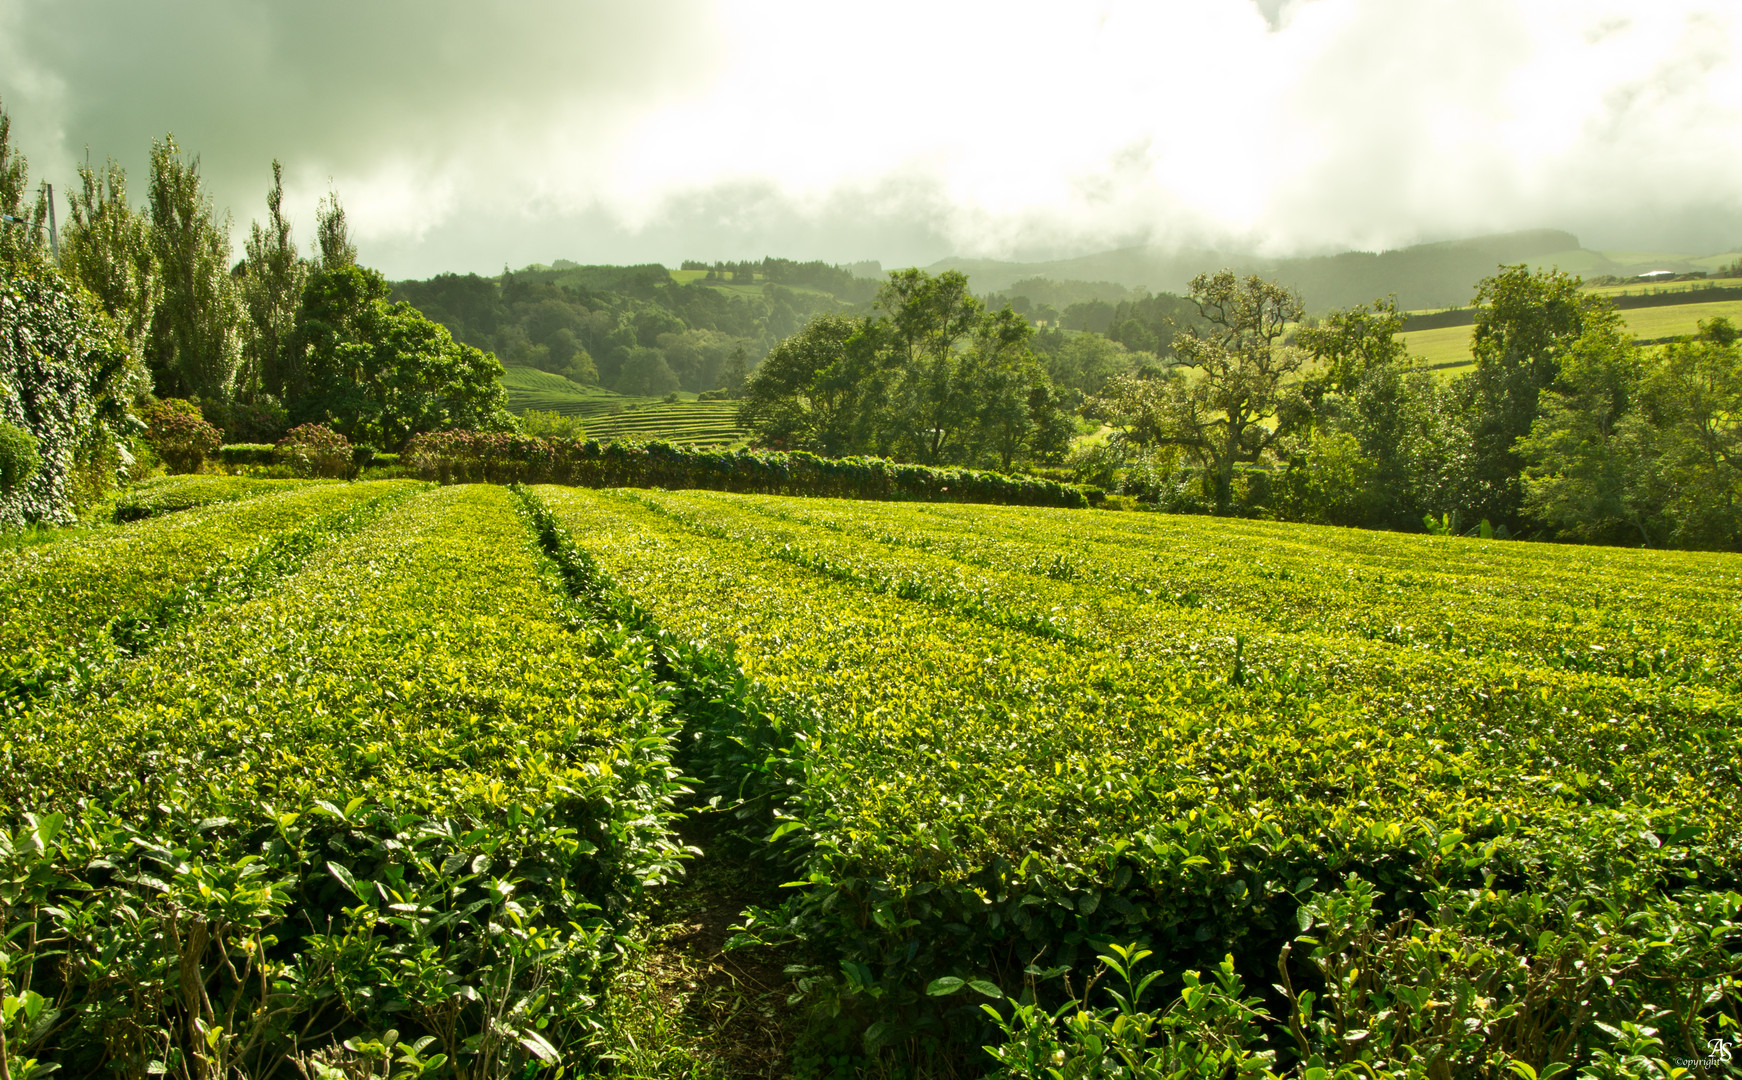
pixel 1425 276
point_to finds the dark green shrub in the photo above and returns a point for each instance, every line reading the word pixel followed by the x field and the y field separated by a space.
pixel 258 422
pixel 315 450
pixel 237 454
pixel 180 434
pixel 18 457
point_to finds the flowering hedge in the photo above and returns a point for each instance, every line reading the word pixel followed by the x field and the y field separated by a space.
pixel 505 458
pixel 179 434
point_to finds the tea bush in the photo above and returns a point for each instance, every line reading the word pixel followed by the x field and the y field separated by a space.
pixel 70 610
pixel 345 772
pixel 397 791
pixel 999 739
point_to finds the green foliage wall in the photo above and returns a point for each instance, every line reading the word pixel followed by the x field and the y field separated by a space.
pixel 65 377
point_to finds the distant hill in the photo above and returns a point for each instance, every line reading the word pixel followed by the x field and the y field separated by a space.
pixel 1422 277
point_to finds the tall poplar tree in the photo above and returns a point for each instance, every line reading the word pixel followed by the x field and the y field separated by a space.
pixel 333 234
pixel 107 249
pixel 272 283
pixel 20 238
pixel 195 343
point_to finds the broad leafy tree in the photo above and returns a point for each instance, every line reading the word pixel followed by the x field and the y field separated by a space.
pixel 807 391
pixel 379 372
pixel 1362 390
pixel 932 403
pixel 1085 363
pixel 933 376
pixel 1525 322
pixel 1223 408
pixel 1693 399
pixel 1631 447
pixel 1591 463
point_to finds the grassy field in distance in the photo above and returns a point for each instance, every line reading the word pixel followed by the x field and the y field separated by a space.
pixel 1645 288
pixel 1659 322
pixel 1450 344
pixel 1445 345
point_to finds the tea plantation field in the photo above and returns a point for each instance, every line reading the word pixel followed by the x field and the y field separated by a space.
pixel 683 422
pixel 1052 792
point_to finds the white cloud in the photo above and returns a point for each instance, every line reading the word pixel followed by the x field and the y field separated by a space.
pixel 749 127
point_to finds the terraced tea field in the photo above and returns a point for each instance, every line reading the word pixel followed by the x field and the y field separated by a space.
pixel 684 422
pixel 613 416
pixel 286 771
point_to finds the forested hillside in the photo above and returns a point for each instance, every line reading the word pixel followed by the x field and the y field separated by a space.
pixel 638 330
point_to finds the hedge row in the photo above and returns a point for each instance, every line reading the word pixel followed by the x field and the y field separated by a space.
pixel 472 457
pixel 246 453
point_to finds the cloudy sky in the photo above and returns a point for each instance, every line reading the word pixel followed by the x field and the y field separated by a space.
pixel 465 134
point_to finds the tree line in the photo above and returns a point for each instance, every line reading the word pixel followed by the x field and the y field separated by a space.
pixel 1227 400
pixel 263 342
pixel 1566 428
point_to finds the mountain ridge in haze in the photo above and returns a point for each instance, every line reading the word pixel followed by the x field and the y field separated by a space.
pixel 1422 277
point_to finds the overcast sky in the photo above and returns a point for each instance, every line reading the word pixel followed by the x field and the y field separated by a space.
pixel 465 135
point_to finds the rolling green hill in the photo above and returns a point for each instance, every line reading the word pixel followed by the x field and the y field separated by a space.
pixel 530 388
